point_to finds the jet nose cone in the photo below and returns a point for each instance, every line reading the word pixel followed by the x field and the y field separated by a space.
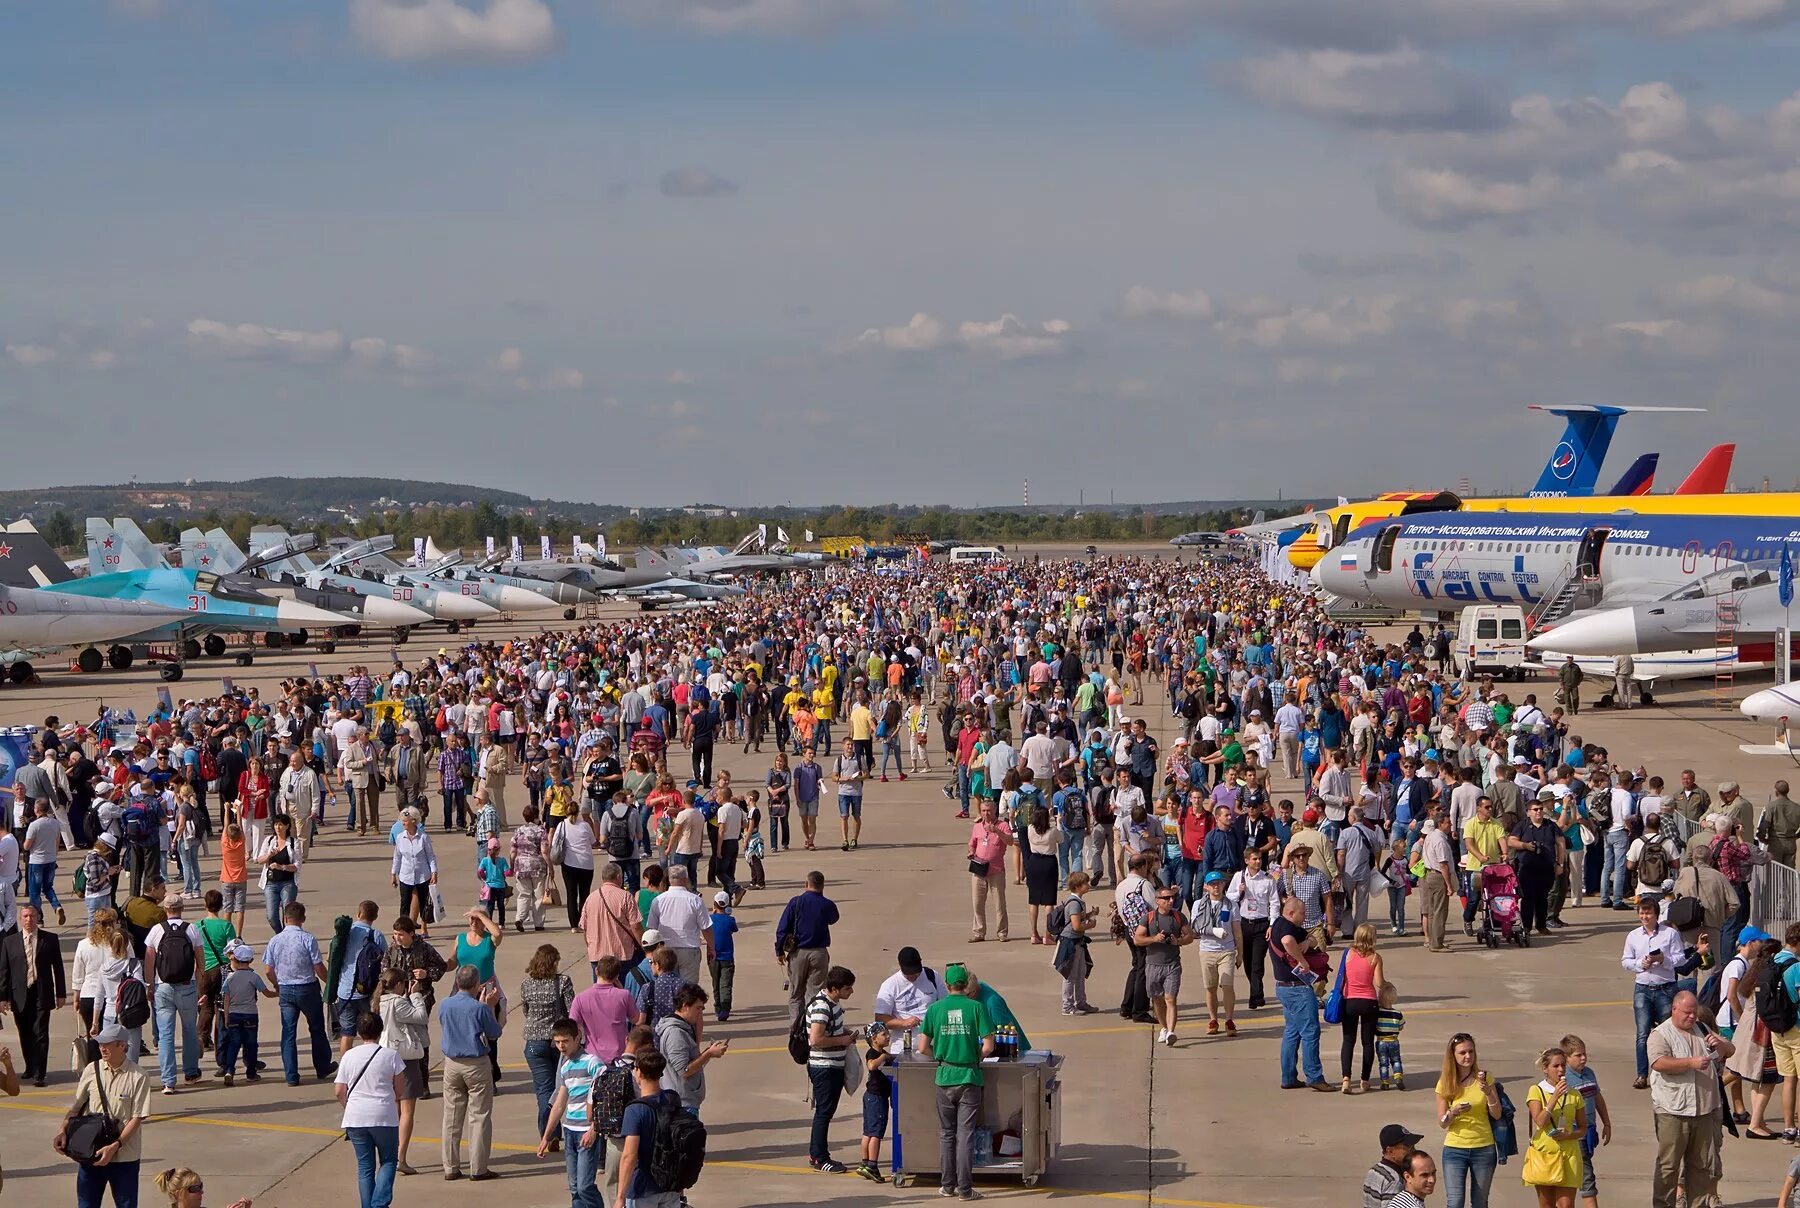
pixel 384 613
pixel 1772 704
pixel 523 599
pixel 1605 633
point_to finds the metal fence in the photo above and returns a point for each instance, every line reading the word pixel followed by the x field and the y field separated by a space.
pixel 1774 888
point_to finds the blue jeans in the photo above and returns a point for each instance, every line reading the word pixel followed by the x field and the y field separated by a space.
pixel 91 1183
pixel 583 1167
pixel 962 786
pixel 239 1037
pixel 1299 1033
pixel 173 1002
pixel 297 1001
pixel 189 852
pixel 541 1058
pixel 1612 869
pixel 40 881
pixel 827 1089
pixel 890 749
pixel 350 795
pixel 276 896
pixel 1649 1006
pixel 1473 1167
pixel 1397 908
pixel 1069 854
pixel 377 1159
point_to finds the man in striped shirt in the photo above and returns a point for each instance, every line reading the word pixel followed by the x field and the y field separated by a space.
pixel 584 1150
pixel 829 1043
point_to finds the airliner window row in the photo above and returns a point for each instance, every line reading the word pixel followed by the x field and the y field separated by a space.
pixel 1723 550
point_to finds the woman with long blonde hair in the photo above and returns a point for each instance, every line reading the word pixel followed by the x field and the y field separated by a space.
pixel 186 1189
pixel 1558 1111
pixel 1363 975
pixel 1468 1103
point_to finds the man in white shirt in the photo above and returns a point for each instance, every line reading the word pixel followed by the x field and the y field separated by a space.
pixel 1288 720
pixel 173 979
pixel 1039 753
pixel 679 916
pixel 1614 875
pixel 904 997
pixel 730 820
pixel 1654 956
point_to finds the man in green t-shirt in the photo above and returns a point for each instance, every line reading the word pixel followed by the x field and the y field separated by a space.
pixel 957 1032
pixel 217 936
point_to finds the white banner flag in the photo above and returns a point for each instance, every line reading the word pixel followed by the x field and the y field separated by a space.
pixel 781 534
pixel 490 547
pixel 600 544
pixel 575 546
pixel 762 535
pixel 544 551
pixel 418 551
pixel 809 534
pixel 518 550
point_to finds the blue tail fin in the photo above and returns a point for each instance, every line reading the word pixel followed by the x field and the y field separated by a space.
pixel 1639 478
pixel 1574 465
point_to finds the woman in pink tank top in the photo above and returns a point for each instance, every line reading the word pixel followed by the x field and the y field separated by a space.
pixel 1363 977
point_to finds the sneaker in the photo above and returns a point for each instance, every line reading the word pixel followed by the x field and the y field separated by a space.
pixel 1230 1027
pixel 948 1193
pixel 168 1090
pixel 868 1171
pixel 970 1194
pixel 1068 1010
pixel 903 775
pixel 884 780
pixel 249 1078
pixel 828 1166
pixel 1169 1039
pixel 1162 1036
pixel 228 1079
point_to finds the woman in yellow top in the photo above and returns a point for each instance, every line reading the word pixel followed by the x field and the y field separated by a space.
pixel 1558 1112
pixel 1468 1103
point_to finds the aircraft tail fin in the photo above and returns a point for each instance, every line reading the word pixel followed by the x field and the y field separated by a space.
pixel 1639 478
pixel 650 559
pixel 110 550
pixel 227 556
pixel 27 560
pixel 1713 473
pixel 146 550
pixel 1575 461
pixel 207 552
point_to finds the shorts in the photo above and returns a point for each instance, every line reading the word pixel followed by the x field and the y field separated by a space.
pixel 235 894
pixel 850 807
pixel 1787 1052
pixel 1217 969
pixel 1163 980
pixel 349 1012
pixel 875 1115
pixel 808 809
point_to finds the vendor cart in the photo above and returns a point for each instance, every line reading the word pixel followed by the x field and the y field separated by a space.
pixel 1020 1125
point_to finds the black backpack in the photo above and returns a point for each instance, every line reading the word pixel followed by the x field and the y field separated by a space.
pixel 1774 1005
pixel 1074 809
pixel 175 956
pixel 611 1094
pixel 131 1007
pixel 680 1150
pixel 800 1038
pixel 365 978
pixel 618 835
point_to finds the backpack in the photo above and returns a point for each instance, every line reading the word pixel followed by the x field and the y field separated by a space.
pixel 209 764
pixel 365 978
pixel 1774 1005
pixel 139 827
pixel 1104 814
pixel 175 956
pixel 1709 994
pixel 1653 863
pixel 618 835
pixel 1059 919
pixel 1599 810
pixel 680 1149
pixel 1074 810
pixel 131 1006
pixel 611 1093
pixel 800 1039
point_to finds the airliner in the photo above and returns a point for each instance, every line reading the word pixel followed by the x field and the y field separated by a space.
pixel 1552 564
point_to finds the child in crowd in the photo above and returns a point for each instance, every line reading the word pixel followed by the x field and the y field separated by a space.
pixel 1072 959
pixel 723 964
pixel 234 874
pixel 493 870
pixel 238 993
pixel 876 1060
pixel 1390 1020
pixel 1580 1076
pixel 754 850
pixel 1399 882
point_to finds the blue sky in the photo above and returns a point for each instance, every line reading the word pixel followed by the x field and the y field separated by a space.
pixel 646 251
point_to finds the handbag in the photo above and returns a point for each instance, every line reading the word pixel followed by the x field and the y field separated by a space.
pixel 1546 1162
pixel 1334 1002
pixel 558 845
pixel 978 868
pixel 90 1132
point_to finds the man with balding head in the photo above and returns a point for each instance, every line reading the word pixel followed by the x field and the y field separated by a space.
pixel 1685 1056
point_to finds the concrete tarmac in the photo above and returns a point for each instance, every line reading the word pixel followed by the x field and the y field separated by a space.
pixel 1202 1123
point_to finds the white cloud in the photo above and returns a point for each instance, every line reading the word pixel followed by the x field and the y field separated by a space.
pixel 1446 198
pixel 372 352
pixel 1399 89
pixel 101 359
pixel 252 341
pixel 424 30
pixel 681 377
pixel 1142 302
pixel 695 182
pixel 1672 339
pixel 562 379
pixel 507 360
pixel 768 17
pixel 1341 321
pixel 31 355
pixel 1007 337
pixel 1723 293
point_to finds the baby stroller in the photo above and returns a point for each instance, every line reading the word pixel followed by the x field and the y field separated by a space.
pixel 1500 920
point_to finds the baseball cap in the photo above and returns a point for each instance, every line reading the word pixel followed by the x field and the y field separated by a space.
pixel 1729 786
pixel 112 1033
pixel 243 952
pixel 1397 1134
pixel 651 938
pixel 1309 815
pixel 174 901
pixel 1753 935
pixel 721 898
pixel 1212 877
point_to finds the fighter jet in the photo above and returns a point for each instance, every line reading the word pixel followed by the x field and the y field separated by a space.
pixel 340 570
pixel 40 620
pixel 441 573
pixel 215 550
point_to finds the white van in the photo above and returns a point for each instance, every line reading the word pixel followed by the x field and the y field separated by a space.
pixel 976 553
pixel 1490 640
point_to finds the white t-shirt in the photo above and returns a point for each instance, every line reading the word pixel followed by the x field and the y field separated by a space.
pixel 1622 808
pixel 1733 970
pixel 731 818
pixel 369 1071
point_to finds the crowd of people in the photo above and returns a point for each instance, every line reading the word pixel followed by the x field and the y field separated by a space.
pixel 1317 780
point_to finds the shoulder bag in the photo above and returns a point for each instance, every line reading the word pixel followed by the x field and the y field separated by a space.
pixel 90 1132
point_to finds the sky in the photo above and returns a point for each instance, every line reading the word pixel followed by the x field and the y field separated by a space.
pixel 650 252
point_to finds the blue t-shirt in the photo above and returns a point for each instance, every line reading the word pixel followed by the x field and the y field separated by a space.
pixel 640 1122
pixel 724 926
pixel 576 1076
pixel 493 871
pixel 1588 1083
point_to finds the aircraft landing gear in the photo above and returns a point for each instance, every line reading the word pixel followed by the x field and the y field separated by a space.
pixel 568 614
pixel 327 647
pixel 214 645
pixel 21 673
pixel 245 659
pixel 401 634
pixel 119 658
pixel 453 626
pixel 299 637
pixel 90 660
pixel 171 672
pixel 273 639
pixel 190 648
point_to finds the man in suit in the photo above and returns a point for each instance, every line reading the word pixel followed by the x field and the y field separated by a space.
pixel 31 986
pixel 407 765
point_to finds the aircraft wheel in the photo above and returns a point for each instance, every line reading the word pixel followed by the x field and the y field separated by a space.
pixel 299 637
pixel 171 672
pixel 119 658
pixel 190 649
pixel 214 645
pixel 20 673
pixel 327 647
pixel 568 614
pixel 90 660
pixel 401 634
pixel 243 660
pixel 272 640
pixel 453 626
